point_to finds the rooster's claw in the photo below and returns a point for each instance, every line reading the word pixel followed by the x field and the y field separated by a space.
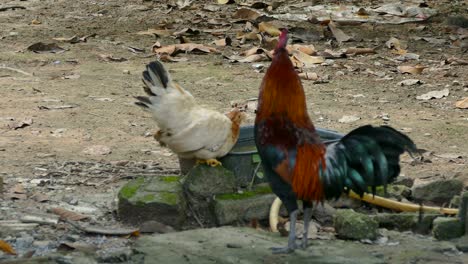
pixel 282 250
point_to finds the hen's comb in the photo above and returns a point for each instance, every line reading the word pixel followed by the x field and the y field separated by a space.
pixel 283 39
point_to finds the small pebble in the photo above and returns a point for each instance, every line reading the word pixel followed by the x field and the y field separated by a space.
pixel 126 72
pixel 231 245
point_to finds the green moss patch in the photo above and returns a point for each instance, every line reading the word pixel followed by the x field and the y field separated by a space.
pixel 129 189
pixel 245 195
pixel 170 178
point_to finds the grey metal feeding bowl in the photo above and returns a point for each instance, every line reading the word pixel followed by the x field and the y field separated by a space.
pixel 243 159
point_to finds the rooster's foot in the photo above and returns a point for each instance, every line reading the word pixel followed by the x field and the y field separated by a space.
pixel 283 250
pixel 291 237
pixel 210 162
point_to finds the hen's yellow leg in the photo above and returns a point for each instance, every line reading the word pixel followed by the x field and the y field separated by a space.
pixel 209 162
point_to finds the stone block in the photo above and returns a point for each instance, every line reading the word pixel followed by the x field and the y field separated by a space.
pixel 445 228
pixel 152 198
pixel 352 225
pixel 241 207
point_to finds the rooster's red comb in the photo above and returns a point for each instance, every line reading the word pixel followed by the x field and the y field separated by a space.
pixel 283 39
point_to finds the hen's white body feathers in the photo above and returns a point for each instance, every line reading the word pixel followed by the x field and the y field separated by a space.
pixel 187 128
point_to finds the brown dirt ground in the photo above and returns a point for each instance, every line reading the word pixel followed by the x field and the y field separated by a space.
pixel 435 125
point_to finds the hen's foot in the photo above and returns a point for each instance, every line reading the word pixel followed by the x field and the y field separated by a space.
pixel 210 162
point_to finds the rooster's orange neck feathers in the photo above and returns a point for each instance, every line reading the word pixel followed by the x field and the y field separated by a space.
pixel 281 91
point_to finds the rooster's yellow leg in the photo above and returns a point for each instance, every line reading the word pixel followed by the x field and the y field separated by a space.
pixel 209 162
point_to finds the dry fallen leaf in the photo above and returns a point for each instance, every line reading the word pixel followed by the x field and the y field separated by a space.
pixel 97 150
pixel 409 82
pixel 184 4
pixel 411 69
pixel 348 119
pixel 462 104
pixel 18 188
pixel 434 95
pixel 168 58
pixel 456 61
pixel 254 50
pixel 74 39
pixel 20 124
pixel 246 14
pixel 40 47
pixel 68 215
pixel 72 76
pixel 308 76
pixel 394 44
pixel 83 247
pixel 248 36
pixel 5 247
pixel 184 47
pixel 307 49
pixel 269 28
pixel 359 51
pixel 187 31
pixel 302 60
pixel 339 35
pixel 254 58
pixel 158 32
pixel 362 13
pixel 112 58
pixel 223 42
pixel 56 107
pixel 39 197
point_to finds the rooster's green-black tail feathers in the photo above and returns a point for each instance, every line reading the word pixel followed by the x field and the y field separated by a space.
pixel 366 157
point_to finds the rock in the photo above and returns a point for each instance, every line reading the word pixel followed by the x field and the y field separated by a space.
pixel 205 181
pixel 404 180
pixel 114 255
pixel 233 207
pixel 152 198
pixel 24 242
pixel 351 225
pixel 242 245
pixel 201 184
pixel 249 245
pixel 439 191
pixel 406 221
pixel 323 213
pixel 445 228
pixel 394 191
pixel 463 213
pixel 346 202
pixel 462 244
pixel 455 202
pixel 155 227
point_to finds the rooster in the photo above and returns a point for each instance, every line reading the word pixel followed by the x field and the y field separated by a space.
pixel 188 129
pixel 296 162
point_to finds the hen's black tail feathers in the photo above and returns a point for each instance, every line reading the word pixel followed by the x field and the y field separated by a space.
pixel 154 77
pixel 366 157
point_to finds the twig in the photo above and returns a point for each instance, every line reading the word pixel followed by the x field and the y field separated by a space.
pixel 254 175
pixel 101 230
pixel 15 70
pixel 195 216
pixel 11 7
pixel 399 206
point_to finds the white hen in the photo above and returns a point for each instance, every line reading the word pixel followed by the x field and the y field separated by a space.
pixel 188 129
